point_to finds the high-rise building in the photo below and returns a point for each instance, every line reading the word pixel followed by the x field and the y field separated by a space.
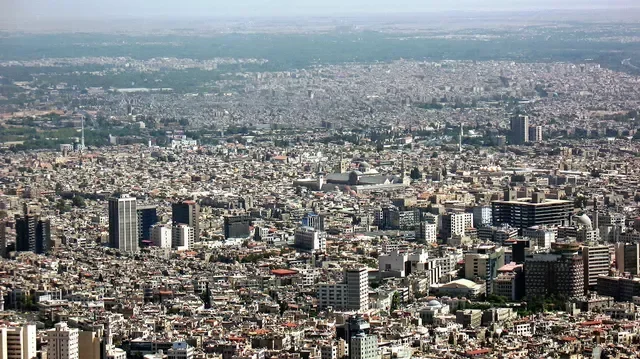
pixel 363 346
pixel 522 213
pixel 481 216
pixel 558 273
pixel 597 261
pixel 33 234
pixel 182 237
pixel 63 342
pixel 237 226
pixel 483 263
pixel 123 224
pixel 147 217
pixel 313 220
pixel 309 239
pixel 519 130
pixel 456 223
pixel 351 294
pixel 3 239
pixel 628 257
pixel 180 350
pixel 187 212
pixel 18 342
pixel 535 133
pixel 161 235
pixel 426 233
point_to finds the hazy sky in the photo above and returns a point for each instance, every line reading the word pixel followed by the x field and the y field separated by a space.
pixel 35 9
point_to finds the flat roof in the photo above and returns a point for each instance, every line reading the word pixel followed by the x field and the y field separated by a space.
pixel 527 201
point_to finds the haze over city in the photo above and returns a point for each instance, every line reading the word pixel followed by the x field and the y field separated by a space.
pixel 319 180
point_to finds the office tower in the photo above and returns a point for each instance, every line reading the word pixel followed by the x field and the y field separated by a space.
pixel 363 346
pixel 309 239
pixel 597 261
pixel 535 133
pixel 33 234
pixel 123 224
pixel 357 282
pixel 522 213
pixel 187 212
pixel 628 258
pixel 237 226
pixel 147 217
pixel 180 350
pixel 483 263
pixel 182 237
pixel 161 235
pixel 63 342
pixel 313 220
pixel 519 130
pixel 558 273
pixel 351 294
pixel 3 239
pixel 481 216
pixel 18 342
pixel 426 233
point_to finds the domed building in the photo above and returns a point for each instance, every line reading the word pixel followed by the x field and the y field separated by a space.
pixel 434 308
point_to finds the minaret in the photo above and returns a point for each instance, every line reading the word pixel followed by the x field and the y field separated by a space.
pixel 82 136
pixel 460 138
pixel 403 169
pixel 596 225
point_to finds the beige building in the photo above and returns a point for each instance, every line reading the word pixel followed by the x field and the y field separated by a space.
pixel 18 342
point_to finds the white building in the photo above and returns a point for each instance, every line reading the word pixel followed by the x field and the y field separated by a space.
pixel 18 342
pixel 523 328
pixel 309 239
pixel 541 237
pixel 481 216
pixel 182 237
pixel 400 265
pixel 455 224
pixel 363 346
pixel 351 294
pixel 180 350
pixel 161 236
pixel 63 342
pixel 427 232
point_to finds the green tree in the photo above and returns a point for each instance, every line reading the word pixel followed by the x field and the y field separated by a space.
pixel 63 206
pixel 415 174
pixel 395 301
pixel 78 201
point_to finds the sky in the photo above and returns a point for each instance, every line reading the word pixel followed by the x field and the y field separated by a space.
pixel 69 9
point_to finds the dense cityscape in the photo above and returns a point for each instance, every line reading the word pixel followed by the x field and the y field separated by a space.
pixel 242 207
